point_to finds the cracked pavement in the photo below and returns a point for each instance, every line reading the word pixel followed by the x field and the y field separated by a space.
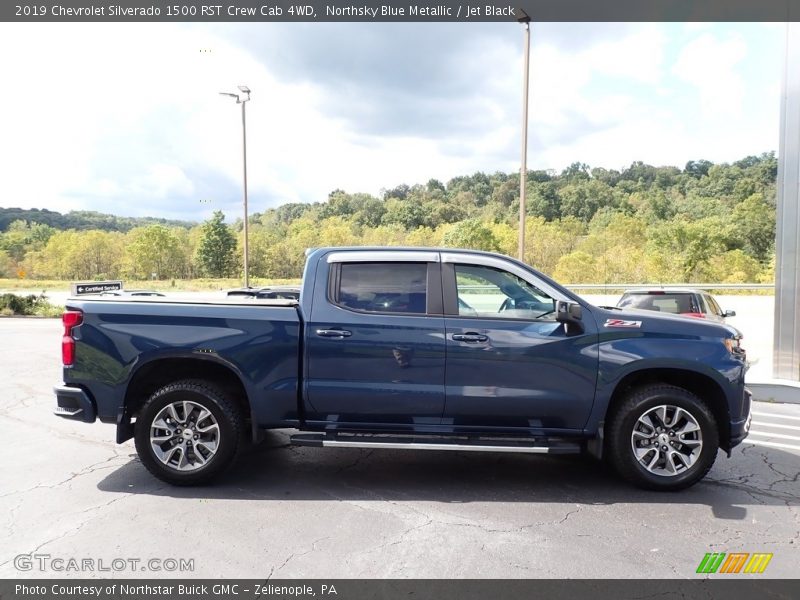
pixel 68 491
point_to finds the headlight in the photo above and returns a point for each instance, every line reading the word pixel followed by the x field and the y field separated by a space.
pixel 734 346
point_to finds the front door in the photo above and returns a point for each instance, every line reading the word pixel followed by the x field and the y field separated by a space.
pixel 509 362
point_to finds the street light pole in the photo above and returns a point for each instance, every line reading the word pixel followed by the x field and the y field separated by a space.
pixel 240 99
pixel 525 20
pixel 244 168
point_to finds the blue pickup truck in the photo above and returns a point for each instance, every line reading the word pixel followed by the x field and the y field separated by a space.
pixel 434 349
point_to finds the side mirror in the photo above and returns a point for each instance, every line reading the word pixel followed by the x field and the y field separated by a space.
pixel 729 313
pixel 570 313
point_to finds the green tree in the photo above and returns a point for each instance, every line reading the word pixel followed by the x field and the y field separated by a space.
pixel 188 241
pixel 216 254
pixel 6 265
pixel 409 214
pixel 616 242
pixel 470 234
pixel 754 222
pixel 767 274
pixel 582 199
pixel 421 236
pixel 732 267
pixel 96 254
pixel 22 237
pixel 576 267
pixel 54 259
pixel 153 251
pixel 698 168
pixel 546 243
pixel 385 235
pixel 690 243
pixel 542 200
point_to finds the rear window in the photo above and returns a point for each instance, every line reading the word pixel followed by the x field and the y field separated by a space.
pixel 668 303
pixel 383 287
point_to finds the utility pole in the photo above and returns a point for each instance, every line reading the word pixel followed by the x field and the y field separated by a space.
pixel 525 20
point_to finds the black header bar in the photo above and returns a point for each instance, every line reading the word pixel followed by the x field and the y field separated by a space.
pixel 466 11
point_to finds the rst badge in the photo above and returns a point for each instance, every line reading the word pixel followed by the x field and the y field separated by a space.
pixel 622 323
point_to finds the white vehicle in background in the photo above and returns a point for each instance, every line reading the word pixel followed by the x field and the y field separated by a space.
pixel 686 302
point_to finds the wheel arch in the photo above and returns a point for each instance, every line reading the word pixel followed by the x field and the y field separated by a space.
pixel 155 374
pixel 701 385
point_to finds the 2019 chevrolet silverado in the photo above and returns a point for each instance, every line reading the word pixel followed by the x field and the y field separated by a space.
pixel 434 349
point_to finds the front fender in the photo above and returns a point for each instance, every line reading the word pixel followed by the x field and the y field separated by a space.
pixel 622 355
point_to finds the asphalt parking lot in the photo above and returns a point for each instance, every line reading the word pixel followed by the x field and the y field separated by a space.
pixel 67 491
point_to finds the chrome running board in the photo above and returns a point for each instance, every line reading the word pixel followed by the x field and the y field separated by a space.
pixel 459 444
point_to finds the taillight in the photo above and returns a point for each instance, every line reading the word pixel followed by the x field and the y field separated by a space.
pixel 696 315
pixel 70 319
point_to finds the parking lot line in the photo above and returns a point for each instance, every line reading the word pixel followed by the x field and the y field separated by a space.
pixel 770 444
pixel 775 435
pixel 774 415
pixel 765 424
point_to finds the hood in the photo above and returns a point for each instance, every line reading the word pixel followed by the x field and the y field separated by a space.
pixel 614 319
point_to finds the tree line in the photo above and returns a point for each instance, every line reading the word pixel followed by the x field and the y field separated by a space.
pixel 705 222
pixel 81 220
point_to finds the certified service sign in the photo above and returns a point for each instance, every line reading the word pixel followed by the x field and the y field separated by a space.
pixel 95 287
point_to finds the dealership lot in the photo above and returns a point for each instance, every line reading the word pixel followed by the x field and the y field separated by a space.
pixel 67 491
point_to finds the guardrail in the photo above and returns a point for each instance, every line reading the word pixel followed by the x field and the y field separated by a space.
pixel 670 286
pixel 642 286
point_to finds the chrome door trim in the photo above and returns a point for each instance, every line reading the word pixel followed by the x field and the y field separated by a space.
pixel 379 256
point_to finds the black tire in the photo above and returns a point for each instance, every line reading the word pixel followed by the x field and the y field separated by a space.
pixel 620 428
pixel 228 439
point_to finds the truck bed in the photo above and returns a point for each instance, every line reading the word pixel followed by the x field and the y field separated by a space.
pixel 199 299
pixel 257 339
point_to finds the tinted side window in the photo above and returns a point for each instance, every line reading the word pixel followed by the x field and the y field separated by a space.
pixel 383 287
pixel 487 292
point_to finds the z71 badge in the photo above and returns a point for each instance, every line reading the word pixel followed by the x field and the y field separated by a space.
pixel 622 323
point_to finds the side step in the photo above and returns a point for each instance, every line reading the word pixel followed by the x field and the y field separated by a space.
pixel 461 444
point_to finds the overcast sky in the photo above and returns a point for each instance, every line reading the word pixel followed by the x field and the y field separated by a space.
pixel 127 119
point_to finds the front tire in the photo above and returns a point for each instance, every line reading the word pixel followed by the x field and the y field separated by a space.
pixel 188 432
pixel 662 437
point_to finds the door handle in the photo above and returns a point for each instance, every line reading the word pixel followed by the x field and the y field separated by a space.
pixel 334 333
pixel 470 337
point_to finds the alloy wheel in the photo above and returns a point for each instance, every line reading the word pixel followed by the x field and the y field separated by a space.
pixel 667 440
pixel 184 435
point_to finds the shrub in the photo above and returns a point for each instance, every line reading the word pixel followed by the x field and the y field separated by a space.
pixel 11 304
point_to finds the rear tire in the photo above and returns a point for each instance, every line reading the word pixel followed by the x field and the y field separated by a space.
pixel 662 437
pixel 188 432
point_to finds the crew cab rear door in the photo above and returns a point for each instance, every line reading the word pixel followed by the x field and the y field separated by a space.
pixel 375 349
pixel 510 364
